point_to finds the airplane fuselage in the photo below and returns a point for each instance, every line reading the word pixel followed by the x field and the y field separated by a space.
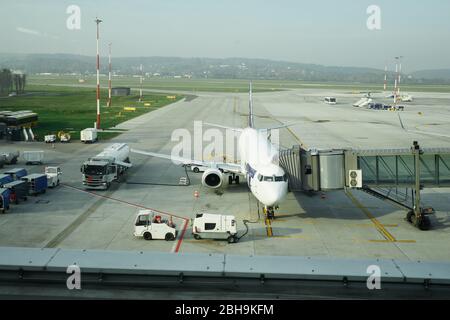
pixel 259 160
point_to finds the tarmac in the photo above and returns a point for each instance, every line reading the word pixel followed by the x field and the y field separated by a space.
pixel 331 224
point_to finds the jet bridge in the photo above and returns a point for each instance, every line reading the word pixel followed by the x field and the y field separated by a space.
pixel 397 167
pixel 370 170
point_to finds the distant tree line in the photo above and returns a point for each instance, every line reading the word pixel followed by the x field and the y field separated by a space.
pixel 10 81
pixel 19 82
pixel 6 82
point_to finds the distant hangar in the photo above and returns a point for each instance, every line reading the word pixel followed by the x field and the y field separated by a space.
pixel 121 91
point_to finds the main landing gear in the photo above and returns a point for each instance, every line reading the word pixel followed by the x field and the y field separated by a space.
pixel 233 178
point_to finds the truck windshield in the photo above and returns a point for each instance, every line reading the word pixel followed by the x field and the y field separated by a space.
pixel 94 170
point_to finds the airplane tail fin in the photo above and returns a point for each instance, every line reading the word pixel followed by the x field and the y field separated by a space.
pixel 251 116
pixel 251 122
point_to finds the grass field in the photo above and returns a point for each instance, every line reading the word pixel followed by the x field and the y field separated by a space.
pixel 63 105
pixel 219 85
pixel 73 109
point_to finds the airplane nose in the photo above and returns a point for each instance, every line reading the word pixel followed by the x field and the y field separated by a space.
pixel 276 195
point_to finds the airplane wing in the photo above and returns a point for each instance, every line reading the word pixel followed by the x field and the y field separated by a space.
pixel 262 129
pixel 278 127
pixel 124 164
pixel 223 127
pixel 231 167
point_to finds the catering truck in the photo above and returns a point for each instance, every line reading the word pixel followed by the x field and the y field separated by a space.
pixel 100 171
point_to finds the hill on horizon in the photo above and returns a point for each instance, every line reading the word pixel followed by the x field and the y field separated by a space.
pixel 226 68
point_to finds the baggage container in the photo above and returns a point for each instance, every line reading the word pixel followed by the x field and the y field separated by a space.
pixel 37 183
pixel 33 157
pixel 18 190
pixel 4 179
pixel 4 199
pixel 16 173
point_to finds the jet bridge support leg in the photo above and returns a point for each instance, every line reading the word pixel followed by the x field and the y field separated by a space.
pixel 418 217
pixel 402 168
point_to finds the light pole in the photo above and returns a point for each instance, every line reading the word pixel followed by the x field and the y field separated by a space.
pixel 109 78
pixel 399 74
pixel 398 70
pixel 140 91
pixel 98 21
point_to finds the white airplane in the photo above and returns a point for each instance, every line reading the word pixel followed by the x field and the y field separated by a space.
pixel 259 164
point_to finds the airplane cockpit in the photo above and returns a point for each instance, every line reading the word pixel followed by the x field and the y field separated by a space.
pixel 282 178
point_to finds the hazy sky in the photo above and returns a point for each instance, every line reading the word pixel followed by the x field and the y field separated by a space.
pixel 329 32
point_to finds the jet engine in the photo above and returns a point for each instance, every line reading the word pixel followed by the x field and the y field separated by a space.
pixel 212 178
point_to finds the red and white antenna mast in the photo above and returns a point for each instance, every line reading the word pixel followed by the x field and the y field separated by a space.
pixel 399 76
pixel 395 82
pixel 140 91
pixel 98 21
pixel 398 70
pixel 109 78
pixel 385 77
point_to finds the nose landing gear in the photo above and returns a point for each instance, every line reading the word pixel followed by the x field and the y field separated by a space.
pixel 269 213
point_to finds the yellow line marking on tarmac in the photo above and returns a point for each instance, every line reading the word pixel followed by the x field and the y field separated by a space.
pixel 360 225
pixel 291 132
pixel 398 241
pixel 363 225
pixel 296 137
pixel 374 220
pixel 380 227
pixel 282 237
